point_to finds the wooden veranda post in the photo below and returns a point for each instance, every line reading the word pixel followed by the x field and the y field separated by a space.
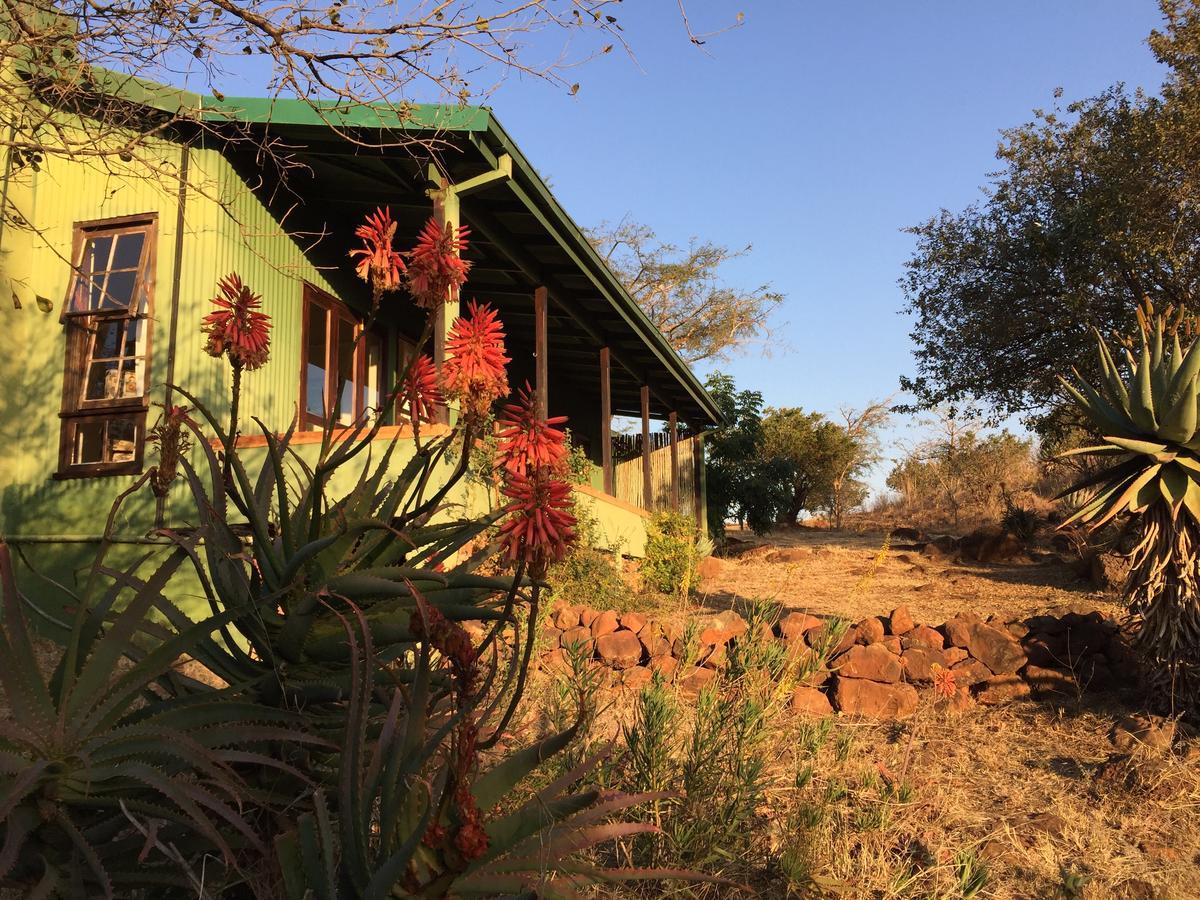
pixel 673 428
pixel 606 462
pixel 447 211
pixel 647 481
pixel 541 352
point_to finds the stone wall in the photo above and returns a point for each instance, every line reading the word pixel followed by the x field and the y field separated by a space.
pixel 879 665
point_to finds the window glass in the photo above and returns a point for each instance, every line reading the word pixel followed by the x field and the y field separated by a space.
pixel 112 273
pixel 314 378
pixel 108 440
pixel 346 352
pixel 373 380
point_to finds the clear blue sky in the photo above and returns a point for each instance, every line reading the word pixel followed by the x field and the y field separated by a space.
pixel 816 132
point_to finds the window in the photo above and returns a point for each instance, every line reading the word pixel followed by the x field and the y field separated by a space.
pixel 107 320
pixel 334 365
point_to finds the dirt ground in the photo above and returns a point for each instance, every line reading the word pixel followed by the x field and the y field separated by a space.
pixel 1034 790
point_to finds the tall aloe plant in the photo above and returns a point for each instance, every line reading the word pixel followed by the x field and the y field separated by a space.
pixel 338 734
pixel 1145 405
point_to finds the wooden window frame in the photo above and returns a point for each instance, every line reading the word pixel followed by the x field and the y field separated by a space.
pixel 337 311
pixel 79 329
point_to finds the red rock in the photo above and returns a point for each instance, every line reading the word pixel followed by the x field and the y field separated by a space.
pixel 734 625
pixel 870 631
pixel 919 662
pixel 955 655
pixel 893 644
pixel 709 568
pixel 1154 732
pixel 696 680
pixel 923 636
pixel 858 696
pixel 605 623
pixel 577 635
pixel 991 544
pixel 1045 652
pixel 587 617
pixel 666 665
pixel 1049 681
pixel 549 636
pixel 620 649
pixel 1002 689
pixel 811 701
pixel 817 637
pixel 1017 629
pixel 900 622
pixel 637 678
pixel 970 671
pixel 715 659
pixel 957 631
pixel 795 625
pixel 996 649
pixel 872 661
pixel 633 621
pixel 556 661
pixel 654 640
pixel 566 617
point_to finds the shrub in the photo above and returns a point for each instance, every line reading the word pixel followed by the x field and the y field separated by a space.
pixel 589 576
pixel 672 553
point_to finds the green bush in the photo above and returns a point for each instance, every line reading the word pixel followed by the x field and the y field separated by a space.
pixel 672 553
pixel 588 576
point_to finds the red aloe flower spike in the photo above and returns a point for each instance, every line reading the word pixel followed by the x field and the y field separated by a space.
pixel 236 328
pixel 436 269
pixel 474 370
pixel 540 527
pixel 379 264
pixel 526 442
pixel 421 396
pixel 943 682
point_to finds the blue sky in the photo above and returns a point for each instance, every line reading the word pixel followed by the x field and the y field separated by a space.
pixel 817 134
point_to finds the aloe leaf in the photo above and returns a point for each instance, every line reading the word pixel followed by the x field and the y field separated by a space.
pixel 1122 503
pixel 1173 484
pixel 20 675
pixel 1107 476
pixel 1141 406
pixel 490 787
pixel 1179 423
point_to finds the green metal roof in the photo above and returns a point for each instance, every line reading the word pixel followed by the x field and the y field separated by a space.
pixel 480 128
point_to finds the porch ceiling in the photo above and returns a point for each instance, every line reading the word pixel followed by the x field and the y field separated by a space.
pixel 520 239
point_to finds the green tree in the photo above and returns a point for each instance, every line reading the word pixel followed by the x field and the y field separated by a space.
pixel 811 451
pixel 1096 206
pixel 681 290
pixel 741 484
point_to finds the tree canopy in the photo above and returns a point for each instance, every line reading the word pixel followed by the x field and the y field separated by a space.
pixel 1096 206
pixel 811 451
pixel 681 290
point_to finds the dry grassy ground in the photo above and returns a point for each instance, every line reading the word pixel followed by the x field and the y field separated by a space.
pixel 1035 791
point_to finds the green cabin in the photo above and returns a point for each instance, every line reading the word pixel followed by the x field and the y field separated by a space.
pixel 108 265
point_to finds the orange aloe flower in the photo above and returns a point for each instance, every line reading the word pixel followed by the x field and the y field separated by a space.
pixel 474 371
pixel 236 328
pixel 436 268
pixel 421 395
pixel 379 264
pixel 540 527
pixel 527 443
pixel 943 681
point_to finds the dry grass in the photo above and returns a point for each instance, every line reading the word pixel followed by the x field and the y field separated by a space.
pixel 1035 791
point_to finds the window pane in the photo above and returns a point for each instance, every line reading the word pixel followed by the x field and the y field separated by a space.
pixel 108 340
pixel 372 384
pixel 129 251
pixel 96 254
pixel 131 378
pixel 314 377
pixel 135 338
pixel 345 372
pixel 101 382
pixel 122 440
pixel 119 292
pixel 89 443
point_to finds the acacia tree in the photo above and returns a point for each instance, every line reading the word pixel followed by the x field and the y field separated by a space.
pixel 1096 206
pixel 681 290
pixel 861 427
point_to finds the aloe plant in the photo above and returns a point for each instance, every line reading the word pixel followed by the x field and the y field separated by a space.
pixel 340 734
pixel 1146 409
